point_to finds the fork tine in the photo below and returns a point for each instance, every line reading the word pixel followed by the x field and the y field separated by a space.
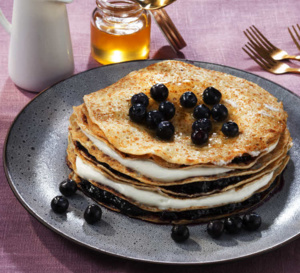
pixel 264 54
pixel 259 57
pixel 253 39
pixel 253 58
pixel 293 37
pixel 258 49
pixel 258 39
pixel 258 60
pixel 296 32
pixel 254 49
pixel 263 38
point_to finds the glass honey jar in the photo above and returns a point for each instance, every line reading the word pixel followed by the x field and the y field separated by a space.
pixel 120 31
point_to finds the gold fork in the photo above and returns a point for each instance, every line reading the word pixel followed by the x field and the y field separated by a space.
pixel 293 37
pixel 264 60
pixel 257 39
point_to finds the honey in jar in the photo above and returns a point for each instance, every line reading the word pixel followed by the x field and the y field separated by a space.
pixel 120 31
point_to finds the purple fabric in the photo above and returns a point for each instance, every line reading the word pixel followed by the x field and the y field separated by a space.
pixel 213 30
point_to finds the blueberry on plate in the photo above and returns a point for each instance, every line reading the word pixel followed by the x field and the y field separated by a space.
pixel 180 233
pixel 203 124
pixel 159 92
pixel 219 112
pixel 230 129
pixel 140 98
pixel 215 228
pixel 92 214
pixel 165 130
pixel 59 204
pixel 233 224
pixel 188 100
pixel 137 113
pixel 199 137
pixel 167 108
pixel 153 118
pixel 251 221
pixel 68 187
pixel 201 111
pixel 211 95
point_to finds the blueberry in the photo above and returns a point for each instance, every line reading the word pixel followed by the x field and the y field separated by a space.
pixel 134 211
pixel 215 228
pixel 59 204
pixel 199 137
pixel 137 113
pixel 251 221
pixel 92 214
pixel 211 96
pixel 159 92
pixel 165 130
pixel 242 159
pixel 153 118
pixel 168 215
pixel 180 233
pixel 107 197
pixel 119 203
pixel 140 98
pixel 230 129
pixel 233 224
pixel 203 124
pixel 219 112
pixel 201 111
pixel 188 99
pixel 68 187
pixel 168 109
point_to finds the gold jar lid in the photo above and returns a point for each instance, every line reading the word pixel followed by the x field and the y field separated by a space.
pixel 168 29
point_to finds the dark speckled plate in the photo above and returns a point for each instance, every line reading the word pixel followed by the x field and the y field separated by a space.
pixel 34 160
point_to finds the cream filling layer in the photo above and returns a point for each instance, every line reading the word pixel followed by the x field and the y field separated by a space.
pixel 268 150
pixel 153 170
pixel 153 199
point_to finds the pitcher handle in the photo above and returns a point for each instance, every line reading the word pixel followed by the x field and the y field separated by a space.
pixel 4 22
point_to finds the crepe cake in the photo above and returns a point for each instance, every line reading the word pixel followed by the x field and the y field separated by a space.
pixel 123 166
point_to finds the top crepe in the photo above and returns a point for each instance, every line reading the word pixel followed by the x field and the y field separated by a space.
pixel 261 119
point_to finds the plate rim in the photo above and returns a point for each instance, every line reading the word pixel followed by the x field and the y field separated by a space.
pixel 57 231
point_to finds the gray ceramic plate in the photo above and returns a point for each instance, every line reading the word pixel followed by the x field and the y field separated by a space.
pixel 34 161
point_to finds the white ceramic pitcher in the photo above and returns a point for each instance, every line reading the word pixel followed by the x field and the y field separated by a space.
pixel 40 51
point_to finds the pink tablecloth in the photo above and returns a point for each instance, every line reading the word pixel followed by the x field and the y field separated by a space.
pixel 213 30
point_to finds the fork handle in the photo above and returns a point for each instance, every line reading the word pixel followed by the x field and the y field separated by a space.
pixel 292 57
pixel 293 70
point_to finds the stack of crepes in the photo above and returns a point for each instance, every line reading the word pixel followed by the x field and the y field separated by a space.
pixel 125 167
